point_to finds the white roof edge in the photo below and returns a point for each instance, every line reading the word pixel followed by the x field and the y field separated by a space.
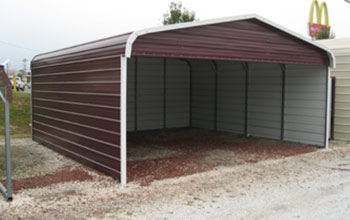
pixel 5 62
pixel 135 34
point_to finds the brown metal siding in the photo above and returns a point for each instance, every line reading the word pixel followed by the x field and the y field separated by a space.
pixel 248 40
pixel 76 103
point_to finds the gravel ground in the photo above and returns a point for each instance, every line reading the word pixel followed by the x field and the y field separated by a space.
pixel 29 158
pixel 314 185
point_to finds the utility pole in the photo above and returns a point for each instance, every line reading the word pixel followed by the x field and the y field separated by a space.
pixel 25 66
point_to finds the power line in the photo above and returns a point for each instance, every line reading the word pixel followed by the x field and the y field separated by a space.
pixel 18 46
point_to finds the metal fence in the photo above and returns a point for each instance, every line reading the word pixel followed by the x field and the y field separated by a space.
pixel 6 98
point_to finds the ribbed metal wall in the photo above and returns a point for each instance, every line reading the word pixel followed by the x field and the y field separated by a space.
pixel 304 98
pixel 305 108
pixel 76 105
pixel 150 94
pixel 203 100
pixel 341 49
pixel 248 41
pixel 159 98
pixel 177 94
pixel 264 103
pixel 231 97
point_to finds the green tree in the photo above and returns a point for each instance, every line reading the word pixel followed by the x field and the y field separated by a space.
pixel 178 14
pixel 325 33
pixel 21 73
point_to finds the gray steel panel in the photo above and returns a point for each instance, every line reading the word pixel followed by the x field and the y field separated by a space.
pixel 177 94
pixel 203 94
pixel 305 115
pixel 231 83
pixel 264 113
pixel 150 94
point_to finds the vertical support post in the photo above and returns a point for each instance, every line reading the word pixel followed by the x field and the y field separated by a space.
pixel 164 91
pixel 135 93
pixel 190 89
pixel 123 97
pixel 283 68
pixel 331 107
pixel 8 150
pixel 215 69
pixel 246 88
pixel 326 130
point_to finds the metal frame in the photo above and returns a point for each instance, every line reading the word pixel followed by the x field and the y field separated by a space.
pixel 327 115
pixel 283 68
pixel 135 92
pixel 123 114
pixel 190 88
pixel 246 93
pixel 216 71
pixel 332 106
pixel 7 192
pixel 164 91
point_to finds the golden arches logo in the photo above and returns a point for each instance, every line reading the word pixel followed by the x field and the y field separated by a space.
pixel 319 11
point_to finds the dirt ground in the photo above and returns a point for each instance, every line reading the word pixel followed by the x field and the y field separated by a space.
pixel 237 179
pixel 162 154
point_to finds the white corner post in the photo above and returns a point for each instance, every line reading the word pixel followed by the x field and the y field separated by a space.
pixel 328 103
pixel 123 83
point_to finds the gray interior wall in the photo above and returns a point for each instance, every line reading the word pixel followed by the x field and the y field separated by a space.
pixel 305 104
pixel 177 94
pixel 305 89
pixel 150 94
pixel 231 97
pixel 203 94
pixel 264 102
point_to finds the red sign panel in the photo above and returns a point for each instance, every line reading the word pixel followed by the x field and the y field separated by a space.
pixel 316 29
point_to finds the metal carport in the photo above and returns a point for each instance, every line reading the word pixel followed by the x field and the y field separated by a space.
pixel 243 74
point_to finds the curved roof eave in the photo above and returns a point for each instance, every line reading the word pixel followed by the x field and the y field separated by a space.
pixel 132 38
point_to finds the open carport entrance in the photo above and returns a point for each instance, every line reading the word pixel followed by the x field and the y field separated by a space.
pixel 244 75
pixel 269 100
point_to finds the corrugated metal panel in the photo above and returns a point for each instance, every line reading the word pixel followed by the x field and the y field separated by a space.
pixel 264 103
pixel 83 52
pixel 131 94
pixel 341 49
pixel 76 104
pixel 231 97
pixel 177 94
pixel 247 40
pixel 203 94
pixel 305 100
pixel 150 94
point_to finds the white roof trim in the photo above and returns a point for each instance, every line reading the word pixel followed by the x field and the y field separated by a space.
pixel 138 33
pixel 5 62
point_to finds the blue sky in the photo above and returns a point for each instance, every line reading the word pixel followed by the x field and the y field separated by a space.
pixel 35 26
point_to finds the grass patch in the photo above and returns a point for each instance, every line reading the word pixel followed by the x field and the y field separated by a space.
pixel 19 115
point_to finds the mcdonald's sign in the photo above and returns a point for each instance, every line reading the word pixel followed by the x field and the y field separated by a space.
pixel 316 28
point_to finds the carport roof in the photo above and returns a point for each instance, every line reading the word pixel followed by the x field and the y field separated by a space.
pixel 241 38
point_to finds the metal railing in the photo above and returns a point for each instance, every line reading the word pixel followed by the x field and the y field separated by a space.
pixel 6 98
